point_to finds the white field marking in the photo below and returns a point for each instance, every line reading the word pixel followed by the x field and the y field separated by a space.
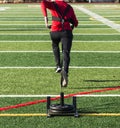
pixel 95 28
pixel 100 18
pixel 4 8
pixel 45 28
pixel 44 24
pixel 46 41
pixel 50 67
pixel 28 67
pixel 26 51
pixel 47 34
pixel 25 24
pixel 8 29
pixel 74 51
pixel 95 51
pixel 90 67
pixel 21 28
pixel 17 96
pixel 33 6
pixel 87 95
pixel 34 24
pixel 85 24
pixel 43 34
pixel 26 41
pixel 40 34
pixel 114 16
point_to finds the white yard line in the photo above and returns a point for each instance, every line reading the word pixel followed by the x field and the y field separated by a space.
pixel 32 96
pixel 74 51
pixel 46 41
pixel 52 67
pixel 9 24
pixel 26 34
pixel 4 8
pixel 26 51
pixel 47 34
pixel 100 18
pixel 96 51
pixel 28 67
pixel 23 24
pixel 26 41
pixel 94 67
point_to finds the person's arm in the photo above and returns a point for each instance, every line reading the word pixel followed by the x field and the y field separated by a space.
pixel 44 11
pixel 44 5
pixel 73 18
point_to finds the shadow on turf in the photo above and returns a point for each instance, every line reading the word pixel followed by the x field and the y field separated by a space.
pixel 96 81
pixel 101 80
pixel 91 87
pixel 99 108
pixel 86 110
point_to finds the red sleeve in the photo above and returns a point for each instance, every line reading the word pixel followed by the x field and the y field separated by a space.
pixel 44 5
pixel 43 8
pixel 74 18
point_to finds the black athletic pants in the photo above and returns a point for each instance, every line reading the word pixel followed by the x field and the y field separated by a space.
pixel 65 37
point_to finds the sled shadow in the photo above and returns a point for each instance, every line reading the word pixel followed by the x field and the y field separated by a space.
pixel 101 80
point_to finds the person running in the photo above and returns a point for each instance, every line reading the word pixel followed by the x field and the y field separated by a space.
pixel 63 22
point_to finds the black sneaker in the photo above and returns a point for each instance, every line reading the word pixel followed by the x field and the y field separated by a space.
pixel 64 79
pixel 58 69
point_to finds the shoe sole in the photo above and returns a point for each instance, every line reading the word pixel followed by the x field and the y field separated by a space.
pixel 59 70
pixel 64 79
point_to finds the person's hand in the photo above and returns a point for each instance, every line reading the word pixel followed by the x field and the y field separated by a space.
pixel 49 26
pixel 46 21
pixel 72 26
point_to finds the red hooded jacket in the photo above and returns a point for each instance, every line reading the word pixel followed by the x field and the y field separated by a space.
pixel 56 25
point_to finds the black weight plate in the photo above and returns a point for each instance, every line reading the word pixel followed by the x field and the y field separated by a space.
pixel 62 111
pixel 65 107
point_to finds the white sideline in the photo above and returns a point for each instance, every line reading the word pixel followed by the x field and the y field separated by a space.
pixel 47 41
pixel 50 67
pixel 23 96
pixel 46 34
pixel 100 18
pixel 4 8
pixel 73 51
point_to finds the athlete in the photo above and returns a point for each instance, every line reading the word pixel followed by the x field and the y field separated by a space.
pixel 63 22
